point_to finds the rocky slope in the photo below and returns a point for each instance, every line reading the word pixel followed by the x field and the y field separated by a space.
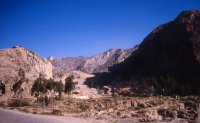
pixel 17 58
pixel 168 58
pixel 100 63
pixel 95 64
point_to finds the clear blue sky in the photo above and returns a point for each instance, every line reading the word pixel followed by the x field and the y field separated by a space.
pixel 83 27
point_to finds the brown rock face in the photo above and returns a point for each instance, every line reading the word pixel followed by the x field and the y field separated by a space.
pixel 18 57
pixel 13 59
pixel 170 51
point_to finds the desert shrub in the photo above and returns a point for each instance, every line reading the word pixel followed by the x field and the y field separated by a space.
pixel 2 104
pixel 3 88
pixel 58 98
pixel 153 103
pixel 141 105
pixel 166 113
pixel 189 104
pixel 181 114
pixel 141 111
pixel 56 112
pixel 26 110
pixel 18 103
pixel 84 107
pixel 34 112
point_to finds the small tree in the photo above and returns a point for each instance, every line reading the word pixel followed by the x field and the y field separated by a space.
pixel 2 88
pixel 42 85
pixel 38 86
pixel 59 88
pixel 21 79
pixel 46 100
pixel 69 84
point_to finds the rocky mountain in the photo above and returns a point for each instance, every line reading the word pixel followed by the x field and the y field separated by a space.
pixel 100 63
pixel 168 58
pixel 66 64
pixel 95 64
pixel 17 58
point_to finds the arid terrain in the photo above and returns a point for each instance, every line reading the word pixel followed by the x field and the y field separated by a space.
pixel 156 81
pixel 139 109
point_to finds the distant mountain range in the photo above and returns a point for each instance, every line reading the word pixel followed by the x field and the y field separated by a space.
pixel 94 64
pixel 16 58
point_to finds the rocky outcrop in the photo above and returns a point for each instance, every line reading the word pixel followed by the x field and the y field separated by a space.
pixel 95 64
pixel 17 58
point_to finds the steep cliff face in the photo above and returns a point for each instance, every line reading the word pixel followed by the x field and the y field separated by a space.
pixel 20 58
pixel 171 51
pixel 95 64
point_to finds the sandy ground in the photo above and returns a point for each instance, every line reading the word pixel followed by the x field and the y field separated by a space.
pixel 84 92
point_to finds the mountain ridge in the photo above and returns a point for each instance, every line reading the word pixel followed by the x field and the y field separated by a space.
pixel 94 64
pixel 171 51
